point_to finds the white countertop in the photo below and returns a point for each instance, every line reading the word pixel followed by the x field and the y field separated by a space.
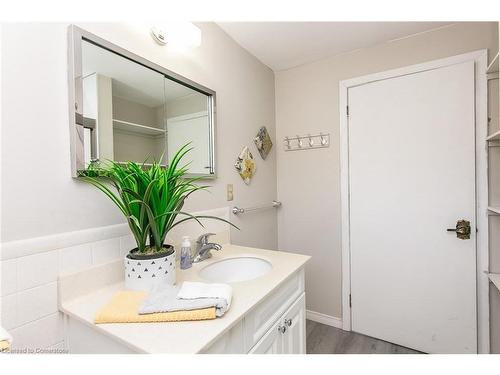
pixel 193 336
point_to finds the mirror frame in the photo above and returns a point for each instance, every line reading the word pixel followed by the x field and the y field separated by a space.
pixel 76 129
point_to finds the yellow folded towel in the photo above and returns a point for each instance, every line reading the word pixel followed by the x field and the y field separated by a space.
pixel 4 346
pixel 124 307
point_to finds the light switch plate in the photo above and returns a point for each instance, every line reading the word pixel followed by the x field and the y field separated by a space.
pixel 230 195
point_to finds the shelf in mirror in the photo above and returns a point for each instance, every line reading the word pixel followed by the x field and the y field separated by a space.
pixel 495 279
pixel 137 128
pixel 494 137
pixel 494 209
pixel 493 67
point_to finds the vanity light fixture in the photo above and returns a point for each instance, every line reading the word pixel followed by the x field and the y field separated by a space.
pixel 179 34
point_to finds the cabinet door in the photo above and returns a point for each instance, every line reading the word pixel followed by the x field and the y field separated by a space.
pixel 271 342
pixel 294 339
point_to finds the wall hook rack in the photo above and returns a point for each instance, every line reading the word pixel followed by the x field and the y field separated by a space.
pixel 321 140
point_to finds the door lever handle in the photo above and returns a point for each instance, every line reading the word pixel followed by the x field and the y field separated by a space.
pixel 462 229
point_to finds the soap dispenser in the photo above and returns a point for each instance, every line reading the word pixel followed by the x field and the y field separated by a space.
pixel 186 255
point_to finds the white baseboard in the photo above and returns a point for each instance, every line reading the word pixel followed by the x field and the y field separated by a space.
pixel 324 319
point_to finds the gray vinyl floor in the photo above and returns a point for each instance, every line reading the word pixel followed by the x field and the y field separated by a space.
pixel 323 339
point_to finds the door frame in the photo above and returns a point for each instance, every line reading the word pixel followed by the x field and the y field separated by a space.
pixel 480 59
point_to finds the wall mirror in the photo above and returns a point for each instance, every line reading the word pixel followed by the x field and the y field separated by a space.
pixel 125 108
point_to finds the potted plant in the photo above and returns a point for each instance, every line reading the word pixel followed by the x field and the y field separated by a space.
pixel 151 199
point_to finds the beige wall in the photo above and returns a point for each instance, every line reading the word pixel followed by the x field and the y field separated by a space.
pixel 35 143
pixel 307 100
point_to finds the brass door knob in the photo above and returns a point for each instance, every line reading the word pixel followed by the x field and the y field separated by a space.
pixel 462 229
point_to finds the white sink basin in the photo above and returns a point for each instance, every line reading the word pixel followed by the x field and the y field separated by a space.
pixel 232 270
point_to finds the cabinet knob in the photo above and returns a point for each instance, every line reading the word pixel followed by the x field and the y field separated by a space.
pixel 288 322
pixel 282 329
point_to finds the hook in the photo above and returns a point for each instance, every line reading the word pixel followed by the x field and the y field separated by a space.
pixel 299 139
pixel 323 140
pixel 287 143
pixel 311 142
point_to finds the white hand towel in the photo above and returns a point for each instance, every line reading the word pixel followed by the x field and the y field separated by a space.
pixel 4 336
pixel 199 291
pixel 163 298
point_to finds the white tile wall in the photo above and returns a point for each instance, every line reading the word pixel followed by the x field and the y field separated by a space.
pixel 127 243
pixel 39 334
pixel 35 303
pixel 8 272
pixel 28 295
pixel 9 311
pixel 105 251
pixel 38 269
pixel 75 258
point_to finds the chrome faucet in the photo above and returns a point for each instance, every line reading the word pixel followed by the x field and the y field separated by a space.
pixel 203 248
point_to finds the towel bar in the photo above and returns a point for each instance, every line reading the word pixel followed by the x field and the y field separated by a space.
pixel 238 210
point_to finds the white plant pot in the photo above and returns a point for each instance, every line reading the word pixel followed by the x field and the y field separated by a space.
pixel 143 274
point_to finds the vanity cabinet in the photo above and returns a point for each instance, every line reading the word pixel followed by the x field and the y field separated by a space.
pixel 277 325
pixel 268 314
pixel 287 335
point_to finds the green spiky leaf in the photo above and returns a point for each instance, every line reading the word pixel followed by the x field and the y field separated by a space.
pixel 150 197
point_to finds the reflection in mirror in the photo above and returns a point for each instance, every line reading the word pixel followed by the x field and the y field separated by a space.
pixel 126 102
pixel 134 113
pixel 188 121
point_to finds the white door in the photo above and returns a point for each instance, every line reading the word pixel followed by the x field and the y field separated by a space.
pixel 412 176
pixel 294 339
pixel 288 334
pixel 194 129
pixel 272 342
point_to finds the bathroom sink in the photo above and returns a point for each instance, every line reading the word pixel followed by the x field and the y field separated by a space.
pixel 232 270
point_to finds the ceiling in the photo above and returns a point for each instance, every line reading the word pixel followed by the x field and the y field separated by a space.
pixel 284 45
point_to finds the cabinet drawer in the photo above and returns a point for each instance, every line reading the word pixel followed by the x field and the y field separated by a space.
pixel 258 321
